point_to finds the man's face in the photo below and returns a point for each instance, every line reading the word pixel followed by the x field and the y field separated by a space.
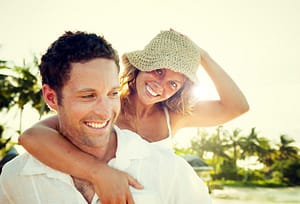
pixel 90 103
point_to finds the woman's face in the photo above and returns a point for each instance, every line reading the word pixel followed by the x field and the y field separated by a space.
pixel 158 85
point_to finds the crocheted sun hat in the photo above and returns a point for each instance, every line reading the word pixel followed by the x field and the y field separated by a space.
pixel 169 49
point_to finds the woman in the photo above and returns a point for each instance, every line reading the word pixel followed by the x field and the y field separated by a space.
pixel 156 101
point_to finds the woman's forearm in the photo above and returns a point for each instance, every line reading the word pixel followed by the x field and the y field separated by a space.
pixel 55 151
pixel 230 94
pixel 45 143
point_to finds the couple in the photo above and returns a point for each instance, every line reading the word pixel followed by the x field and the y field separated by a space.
pixel 80 82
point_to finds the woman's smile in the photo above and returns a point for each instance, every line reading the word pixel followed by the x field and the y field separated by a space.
pixel 151 91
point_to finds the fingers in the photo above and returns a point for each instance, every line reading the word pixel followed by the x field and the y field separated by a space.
pixel 129 198
pixel 172 30
pixel 134 183
pixel 112 186
pixel 119 199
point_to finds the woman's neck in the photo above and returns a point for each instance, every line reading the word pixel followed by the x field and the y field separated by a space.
pixel 143 119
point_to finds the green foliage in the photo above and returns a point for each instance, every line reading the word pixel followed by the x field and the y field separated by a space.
pixel 281 163
pixel 259 183
pixel 184 151
pixel 19 87
pixel 5 143
pixel 292 172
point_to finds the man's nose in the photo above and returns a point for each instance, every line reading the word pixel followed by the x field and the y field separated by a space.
pixel 103 107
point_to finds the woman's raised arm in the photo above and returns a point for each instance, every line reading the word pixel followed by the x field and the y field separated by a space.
pixel 232 102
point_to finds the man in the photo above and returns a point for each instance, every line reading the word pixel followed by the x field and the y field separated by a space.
pixel 80 82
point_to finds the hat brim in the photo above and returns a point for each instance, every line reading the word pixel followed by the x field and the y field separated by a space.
pixel 146 62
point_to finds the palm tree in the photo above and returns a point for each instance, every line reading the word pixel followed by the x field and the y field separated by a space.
pixel 249 144
pixel 286 150
pixel 4 142
pixel 6 96
pixel 20 87
pixel 287 160
pixel 220 144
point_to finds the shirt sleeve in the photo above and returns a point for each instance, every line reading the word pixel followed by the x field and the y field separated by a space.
pixel 4 198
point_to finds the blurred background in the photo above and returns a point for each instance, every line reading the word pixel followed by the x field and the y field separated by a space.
pixel 252 159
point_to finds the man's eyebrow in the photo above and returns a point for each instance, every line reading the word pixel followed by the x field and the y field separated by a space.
pixel 117 87
pixel 85 90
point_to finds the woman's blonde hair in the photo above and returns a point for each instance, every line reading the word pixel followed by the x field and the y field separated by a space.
pixel 181 102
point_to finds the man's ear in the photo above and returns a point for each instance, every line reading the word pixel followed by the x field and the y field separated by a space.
pixel 50 96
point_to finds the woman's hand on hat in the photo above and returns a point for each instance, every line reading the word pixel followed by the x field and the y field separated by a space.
pixel 172 30
pixel 203 54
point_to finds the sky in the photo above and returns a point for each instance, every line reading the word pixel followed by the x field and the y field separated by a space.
pixel 255 41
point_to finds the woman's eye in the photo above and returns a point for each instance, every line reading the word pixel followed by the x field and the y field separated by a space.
pixel 173 84
pixel 159 71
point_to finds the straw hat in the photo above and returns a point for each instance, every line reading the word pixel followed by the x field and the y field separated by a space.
pixel 169 49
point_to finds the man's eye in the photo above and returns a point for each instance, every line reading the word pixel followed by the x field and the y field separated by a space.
pixel 114 93
pixel 88 96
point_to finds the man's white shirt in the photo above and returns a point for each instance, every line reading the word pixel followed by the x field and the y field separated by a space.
pixel 166 177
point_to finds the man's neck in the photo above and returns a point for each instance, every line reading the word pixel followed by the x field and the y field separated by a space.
pixel 105 153
pixel 111 148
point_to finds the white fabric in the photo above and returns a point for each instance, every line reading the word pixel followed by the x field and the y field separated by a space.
pixel 166 143
pixel 168 121
pixel 167 178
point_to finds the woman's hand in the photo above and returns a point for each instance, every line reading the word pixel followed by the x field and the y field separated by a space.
pixel 112 185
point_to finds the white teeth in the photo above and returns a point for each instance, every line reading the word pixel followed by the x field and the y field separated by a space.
pixel 151 91
pixel 96 125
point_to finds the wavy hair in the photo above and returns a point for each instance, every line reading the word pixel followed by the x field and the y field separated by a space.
pixel 181 102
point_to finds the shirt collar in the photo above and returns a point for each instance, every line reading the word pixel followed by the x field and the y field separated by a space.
pixel 129 146
pixel 34 167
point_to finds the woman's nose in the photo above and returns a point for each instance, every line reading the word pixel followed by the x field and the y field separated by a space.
pixel 158 87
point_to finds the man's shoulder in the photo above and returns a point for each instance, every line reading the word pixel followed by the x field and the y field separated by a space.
pixel 25 164
pixel 16 164
pixel 11 171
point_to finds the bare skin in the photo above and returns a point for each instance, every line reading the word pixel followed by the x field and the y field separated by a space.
pixel 149 122
pixel 88 112
pixel 232 104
